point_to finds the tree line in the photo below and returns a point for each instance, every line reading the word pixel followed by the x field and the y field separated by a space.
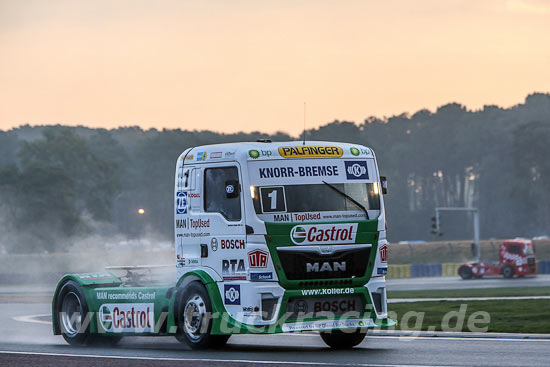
pixel 59 182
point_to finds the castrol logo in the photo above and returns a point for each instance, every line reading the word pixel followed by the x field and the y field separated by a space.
pixel 323 234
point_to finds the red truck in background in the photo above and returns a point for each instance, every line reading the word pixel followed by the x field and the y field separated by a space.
pixel 516 257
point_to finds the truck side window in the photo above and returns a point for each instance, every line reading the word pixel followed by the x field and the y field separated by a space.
pixel 515 249
pixel 215 199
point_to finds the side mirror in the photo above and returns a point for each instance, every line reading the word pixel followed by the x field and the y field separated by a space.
pixel 384 184
pixel 231 189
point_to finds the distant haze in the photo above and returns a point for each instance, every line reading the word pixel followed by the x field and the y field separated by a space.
pixel 250 65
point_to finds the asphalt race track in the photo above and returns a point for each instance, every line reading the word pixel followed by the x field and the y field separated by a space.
pixel 32 343
pixel 410 284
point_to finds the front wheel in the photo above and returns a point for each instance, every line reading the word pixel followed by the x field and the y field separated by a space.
pixel 465 272
pixel 508 272
pixel 338 339
pixel 71 312
pixel 194 319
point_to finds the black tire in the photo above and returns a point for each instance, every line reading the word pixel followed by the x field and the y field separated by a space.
pixel 465 272
pixel 193 304
pixel 508 272
pixel 71 310
pixel 338 339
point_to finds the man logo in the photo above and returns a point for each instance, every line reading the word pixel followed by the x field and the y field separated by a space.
pixel 298 234
pixel 214 244
pixel 356 170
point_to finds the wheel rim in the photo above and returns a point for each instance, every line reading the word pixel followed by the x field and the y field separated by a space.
pixel 71 314
pixel 193 317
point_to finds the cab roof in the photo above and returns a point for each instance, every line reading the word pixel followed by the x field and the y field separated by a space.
pixel 276 150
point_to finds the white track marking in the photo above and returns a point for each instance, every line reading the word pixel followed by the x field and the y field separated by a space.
pixel 407 337
pixel 248 361
pixel 32 318
pixel 405 300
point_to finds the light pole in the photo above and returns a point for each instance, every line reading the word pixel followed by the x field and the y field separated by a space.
pixel 477 248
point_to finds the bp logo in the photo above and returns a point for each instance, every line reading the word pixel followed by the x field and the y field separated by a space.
pixel 254 154
pixel 106 318
pixel 298 234
pixel 354 151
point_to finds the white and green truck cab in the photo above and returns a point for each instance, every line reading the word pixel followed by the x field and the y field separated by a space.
pixel 269 238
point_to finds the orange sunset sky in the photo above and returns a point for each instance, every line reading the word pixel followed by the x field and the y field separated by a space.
pixel 244 65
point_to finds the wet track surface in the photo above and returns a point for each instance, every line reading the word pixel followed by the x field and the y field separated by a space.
pixel 34 344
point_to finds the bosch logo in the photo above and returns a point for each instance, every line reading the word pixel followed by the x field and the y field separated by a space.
pixel 356 170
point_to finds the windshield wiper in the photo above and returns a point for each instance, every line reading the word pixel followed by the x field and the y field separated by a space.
pixel 348 197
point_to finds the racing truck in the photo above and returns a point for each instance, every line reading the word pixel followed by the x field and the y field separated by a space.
pixel 269 238
pixel 516 257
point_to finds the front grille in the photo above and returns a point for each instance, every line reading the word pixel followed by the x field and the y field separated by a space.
pixel 295 264
pixel 531 260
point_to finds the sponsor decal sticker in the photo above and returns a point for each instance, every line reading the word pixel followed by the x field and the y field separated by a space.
pixel 201 156
pixel 327 324
pixel 253 153
pixel 258 277
pixel 232 244
pixel 310 151
pixel 299 171
pixel 215 155
pixel 214 244
pixel 95 276
pixel 354 151
pixel 356 170
pixel 232 294
pixel 233 269
pixel 229 189
pixel 181 202
pixel 189 157
pixel 382 271
pixel 127 317
pixel 258 258
pixel 307 234
pixel 384 253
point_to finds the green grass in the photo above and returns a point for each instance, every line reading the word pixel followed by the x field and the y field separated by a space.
pixel 519 316
pixel 478 292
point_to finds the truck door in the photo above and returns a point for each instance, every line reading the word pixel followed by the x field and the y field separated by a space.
pixel 223 213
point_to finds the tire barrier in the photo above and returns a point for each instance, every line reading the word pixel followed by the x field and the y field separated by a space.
pixel 438 270
pixel 544 267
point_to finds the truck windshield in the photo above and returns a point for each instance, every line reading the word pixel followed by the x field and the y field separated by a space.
pixel 315 201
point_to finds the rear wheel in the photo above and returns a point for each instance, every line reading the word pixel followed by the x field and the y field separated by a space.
pixel 338 339
pixel 194 311
pixel 465 272
pixel 508 272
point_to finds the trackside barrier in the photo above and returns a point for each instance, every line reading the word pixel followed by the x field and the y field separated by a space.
pixel 449 269
pixel 425 270
pixel 544 267
pixel 445 270
pixel 399 271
